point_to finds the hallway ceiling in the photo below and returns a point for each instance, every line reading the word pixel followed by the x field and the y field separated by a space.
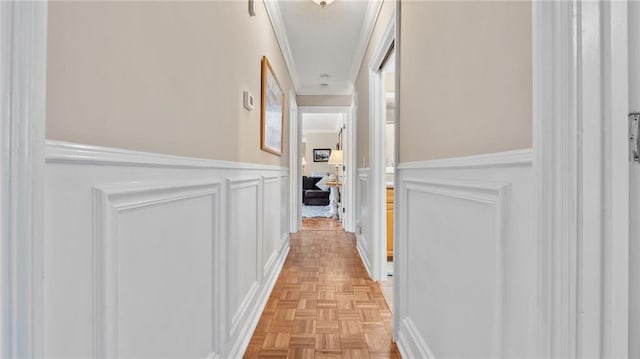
pixel 321 122
pixel 316 41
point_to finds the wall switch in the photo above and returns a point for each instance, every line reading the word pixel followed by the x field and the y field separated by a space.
pixel 248 100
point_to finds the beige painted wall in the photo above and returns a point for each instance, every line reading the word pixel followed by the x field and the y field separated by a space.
pixel 465 78
pixel 319 140
pixel 308 100
pixel 362 86
pixel 163 77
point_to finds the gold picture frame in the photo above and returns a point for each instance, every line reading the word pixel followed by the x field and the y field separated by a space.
pixel 271 111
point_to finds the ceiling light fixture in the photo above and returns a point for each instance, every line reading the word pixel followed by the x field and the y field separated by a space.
pixel 323 3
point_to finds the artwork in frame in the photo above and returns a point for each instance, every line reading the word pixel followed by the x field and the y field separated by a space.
pixel 321 154
pixel 271 111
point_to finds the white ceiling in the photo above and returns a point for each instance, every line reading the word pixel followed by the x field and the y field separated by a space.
pixel 330 40
pixel 321 122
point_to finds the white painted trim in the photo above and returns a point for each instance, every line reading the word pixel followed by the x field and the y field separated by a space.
pixel 277 22
pixel 616 221
pixel 350 173
pixel 410 342
pixel 239 348
pixel 23 42
pixel 377 101
pixel 368 25
pixel 514 158
pixel 362 244
pixel 108 202
pixel 350 162
pixel 495 193
pixel 67 152
pixel 554 28
pixel 234 319
pixel 275 15
pixel 295 166
pixel 579 117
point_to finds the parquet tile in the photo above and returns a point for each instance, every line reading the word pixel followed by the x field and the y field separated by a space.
pixel 323 305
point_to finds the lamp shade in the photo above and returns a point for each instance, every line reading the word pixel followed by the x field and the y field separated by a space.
pixel 336 157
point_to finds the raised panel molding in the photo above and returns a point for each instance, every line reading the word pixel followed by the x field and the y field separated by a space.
pixel 271 186
pixel 108 202
pixel 362 221
pixel 91 188
pixel 496 194
pixel 234 317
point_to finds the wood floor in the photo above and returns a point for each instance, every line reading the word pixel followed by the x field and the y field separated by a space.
pixel 321 224
pixel 324 305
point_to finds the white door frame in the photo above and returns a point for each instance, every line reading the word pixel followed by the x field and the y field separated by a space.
pixel 295 184
pixel 580 108
pixel 377 168
pixel 347 190
pixel 351 164
pixel 23 40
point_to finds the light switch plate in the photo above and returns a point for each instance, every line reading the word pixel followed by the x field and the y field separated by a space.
pixel 248 100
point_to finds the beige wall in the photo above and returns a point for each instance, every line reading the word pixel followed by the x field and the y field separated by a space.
pixel 362 86
pixel 163 77
pixel 465 78
pixel 309 100
pixel 319 140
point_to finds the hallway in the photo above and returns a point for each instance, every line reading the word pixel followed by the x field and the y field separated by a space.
pixel 324 305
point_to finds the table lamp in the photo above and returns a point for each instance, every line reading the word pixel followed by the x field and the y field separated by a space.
pixel 336 159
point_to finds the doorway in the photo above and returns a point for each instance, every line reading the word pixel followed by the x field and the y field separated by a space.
pixel 382 153
pixel 324 155
pixel 388 74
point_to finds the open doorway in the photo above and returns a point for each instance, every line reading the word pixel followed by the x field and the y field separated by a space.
pixel 322 175
pixel 382 155
pixel 325 146
pixel 388 73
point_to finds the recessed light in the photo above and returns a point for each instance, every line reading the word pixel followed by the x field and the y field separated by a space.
pixel 323 3
pixel 324 76
pixel 324 84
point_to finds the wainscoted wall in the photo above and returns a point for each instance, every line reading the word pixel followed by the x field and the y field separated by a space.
pixel 466 257
pixel 363 227
pixel 148 255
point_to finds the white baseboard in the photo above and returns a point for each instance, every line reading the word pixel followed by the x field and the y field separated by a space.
pixel 239 348
pixel 362 251
pixel 410 342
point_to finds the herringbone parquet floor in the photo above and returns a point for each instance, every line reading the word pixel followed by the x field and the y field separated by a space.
pixel 324 305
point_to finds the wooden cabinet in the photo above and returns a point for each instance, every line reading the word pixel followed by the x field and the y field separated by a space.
pixel 389 223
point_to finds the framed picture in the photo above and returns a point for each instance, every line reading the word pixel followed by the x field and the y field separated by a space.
pixel 321 154
pixel 271 111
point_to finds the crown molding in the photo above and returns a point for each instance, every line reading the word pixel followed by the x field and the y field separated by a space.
pixel 275 15
pixel 371 16
pixel 277 22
